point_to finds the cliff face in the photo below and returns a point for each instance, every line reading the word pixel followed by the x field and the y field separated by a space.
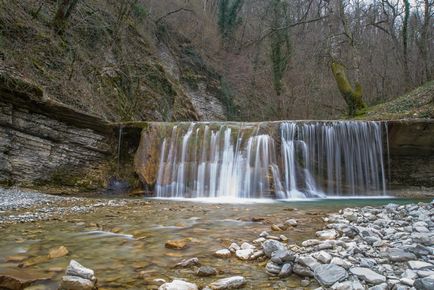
pixel 45 142
pixel 127 70
pixel 411 149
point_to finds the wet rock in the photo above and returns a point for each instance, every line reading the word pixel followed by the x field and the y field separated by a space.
pixel 420 265
pixel 234 282
pixel 206 271
pixel 282 256
pixel 223 253
pixel 308 261
pixel 302 271
pixel 176 244
pixel 399 255
pixel 283 238
pixel 259 241
pixel 304 282
pixel 323 257
pixel 247 246
pixel 272 268
pixel 76 283
pixel 424 283
pixel 178 285
pixel 286 270
pixel 257 254
pixel 291 222
pixel 264 234
pixel 327 275
pixel 234 247
pixel 244 254
pixel 270 246
pixel 188 263
pixel 368 275
pixel 276 228
pixel 58 252
pixel 76 269
pixel 327 234
pixel 17 280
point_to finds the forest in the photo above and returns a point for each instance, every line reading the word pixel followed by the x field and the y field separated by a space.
pixel 256 59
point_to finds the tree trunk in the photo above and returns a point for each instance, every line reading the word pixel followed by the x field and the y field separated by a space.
pixel 353 97
pixel 63 12
pixel 405 42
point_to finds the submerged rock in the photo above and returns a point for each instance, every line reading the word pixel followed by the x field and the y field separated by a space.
pixel 188 263
pixel 178 285
pixel 327 275
pixel 206 271
pixel 234 282
pixel 176 244
pixel 76 283
pixel 58 252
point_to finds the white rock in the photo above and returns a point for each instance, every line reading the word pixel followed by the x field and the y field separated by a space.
pixel 310 243
pixel 420 265
pixel 323 257
pixel 409 274
pixel 234 282
pixel 234 247
pixel 368 275
pixel 327 234
pixel 340 262
pixel 76 283
pixel 291 222
pixel 223 253
pixel 76 269
pixel 244 254
pixel 246 246
pixel 407 281
pixel 178 285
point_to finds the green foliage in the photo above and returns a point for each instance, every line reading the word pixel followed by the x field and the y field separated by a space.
pixel 140 11
pixel 280 43
pixel 228 17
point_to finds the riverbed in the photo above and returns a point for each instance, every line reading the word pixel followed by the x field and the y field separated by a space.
pixel 123 239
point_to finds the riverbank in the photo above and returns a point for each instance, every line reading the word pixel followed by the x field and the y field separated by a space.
pixel 125 241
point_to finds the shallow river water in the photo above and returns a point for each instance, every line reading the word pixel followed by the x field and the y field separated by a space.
pixel 126 245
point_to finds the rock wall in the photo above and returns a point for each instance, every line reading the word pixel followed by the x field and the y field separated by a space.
pixel 45 142
pixel 411 148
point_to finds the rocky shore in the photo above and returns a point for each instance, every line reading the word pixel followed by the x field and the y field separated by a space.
pixel 389 247
pixel 20 206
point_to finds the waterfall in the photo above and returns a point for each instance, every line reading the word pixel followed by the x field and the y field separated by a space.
pixel 271 160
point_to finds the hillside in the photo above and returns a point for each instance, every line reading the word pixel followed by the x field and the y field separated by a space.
pixel 112 61
pixel 417 104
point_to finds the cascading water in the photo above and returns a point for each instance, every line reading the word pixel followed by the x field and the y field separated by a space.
pixel 271 160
